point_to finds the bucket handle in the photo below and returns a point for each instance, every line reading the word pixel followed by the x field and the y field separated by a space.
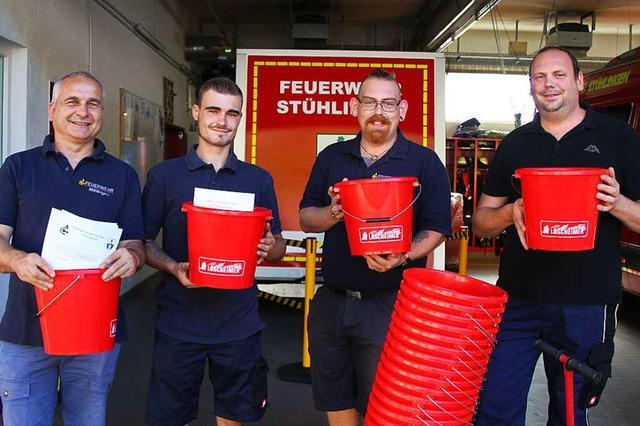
pixel 456 387
pixel 434 402
pixel 386 219
pixel 462 404
pixel 57 297
pixel 472 318
pixel 424 422
pixel 513 184
pixel 467 380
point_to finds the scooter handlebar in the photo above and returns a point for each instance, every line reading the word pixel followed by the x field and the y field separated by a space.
pixel 571 364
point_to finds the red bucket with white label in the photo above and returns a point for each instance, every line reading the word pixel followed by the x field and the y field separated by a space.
pixel 560 206
pixel 223 245
pixel 378 214
pixel 79 314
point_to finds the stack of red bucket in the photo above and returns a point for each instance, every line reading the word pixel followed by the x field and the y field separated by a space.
pixel 441 335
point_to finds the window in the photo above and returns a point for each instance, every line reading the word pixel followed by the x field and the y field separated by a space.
pixel 490 98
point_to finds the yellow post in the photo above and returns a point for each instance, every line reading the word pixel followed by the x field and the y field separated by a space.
pixel 309 291
pixel 464 251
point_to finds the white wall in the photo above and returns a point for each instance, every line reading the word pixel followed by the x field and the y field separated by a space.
pixel 67 35
pixel 43 40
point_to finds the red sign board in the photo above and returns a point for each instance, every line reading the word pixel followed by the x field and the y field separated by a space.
pixel 296 105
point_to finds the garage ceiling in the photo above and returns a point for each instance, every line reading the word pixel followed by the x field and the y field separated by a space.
pixel 427 25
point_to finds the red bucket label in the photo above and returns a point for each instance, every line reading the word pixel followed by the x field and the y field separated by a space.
pixel 564 229
pixel 221 267
pixel 381 234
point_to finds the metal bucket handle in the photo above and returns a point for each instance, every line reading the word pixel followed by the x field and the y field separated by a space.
pixel 76 279
pixel 386 219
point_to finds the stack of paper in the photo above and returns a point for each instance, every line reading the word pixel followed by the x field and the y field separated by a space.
pixel 223 200
pixel 74 242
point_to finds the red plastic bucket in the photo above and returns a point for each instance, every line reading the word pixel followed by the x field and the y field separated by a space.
pixel 79 314
pixel 378 214
pixel 454 288
pixel 463 319
pixel 479 313
pixel 416 347
pixel 560 206
pixel 223 245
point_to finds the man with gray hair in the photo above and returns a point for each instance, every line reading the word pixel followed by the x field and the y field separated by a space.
pixel 32 183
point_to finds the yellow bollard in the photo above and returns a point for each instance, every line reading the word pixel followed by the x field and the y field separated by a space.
pixel 463 251
pixel 300 372
pixel 309 291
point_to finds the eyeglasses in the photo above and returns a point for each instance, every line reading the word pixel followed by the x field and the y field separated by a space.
pixel 388 105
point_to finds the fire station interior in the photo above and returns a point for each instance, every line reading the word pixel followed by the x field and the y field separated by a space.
pixel 157 51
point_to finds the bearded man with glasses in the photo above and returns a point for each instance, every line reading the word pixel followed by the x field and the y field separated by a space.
pixel 349 315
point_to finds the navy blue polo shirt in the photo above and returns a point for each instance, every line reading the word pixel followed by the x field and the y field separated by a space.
pixel 201 315
pixel 432 210
pixel 32 182
pixel 581 277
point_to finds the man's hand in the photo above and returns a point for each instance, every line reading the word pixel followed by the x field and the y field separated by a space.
pixel 31 268
pixel 384 262
pixel 608 191
pixel 518 221
pixel 122 263
pixel 181 272
pixel 336 208
pixel 266 243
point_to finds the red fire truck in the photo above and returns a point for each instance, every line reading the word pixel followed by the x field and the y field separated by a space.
pixel 615 90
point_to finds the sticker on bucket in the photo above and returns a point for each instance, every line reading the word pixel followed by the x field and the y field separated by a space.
pixel 221 267
pixel 113 328
pixel 564 229
pixel 381 234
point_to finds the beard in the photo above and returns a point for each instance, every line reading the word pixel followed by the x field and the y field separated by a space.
pixel 377 136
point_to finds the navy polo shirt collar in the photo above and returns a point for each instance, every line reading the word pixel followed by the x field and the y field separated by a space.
pixel 194 162
pixel 399 149
pixel 98 145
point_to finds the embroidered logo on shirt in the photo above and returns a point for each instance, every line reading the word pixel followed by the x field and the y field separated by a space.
pixel 592 148
pixel 105 191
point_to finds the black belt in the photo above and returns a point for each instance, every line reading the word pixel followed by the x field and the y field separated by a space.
pixel 357 294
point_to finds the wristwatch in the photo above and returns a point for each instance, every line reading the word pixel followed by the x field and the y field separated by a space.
pixel 407 259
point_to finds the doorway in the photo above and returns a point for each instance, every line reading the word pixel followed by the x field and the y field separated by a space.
pixel 175 141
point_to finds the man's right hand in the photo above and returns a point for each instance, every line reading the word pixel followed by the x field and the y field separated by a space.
pixel 32 268
pixel 181 272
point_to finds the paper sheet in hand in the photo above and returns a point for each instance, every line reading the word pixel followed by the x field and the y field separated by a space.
pixel 223 200
pixel 74 242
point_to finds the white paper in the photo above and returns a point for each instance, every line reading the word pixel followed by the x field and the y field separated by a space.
pixel 74 242
pixel 223 200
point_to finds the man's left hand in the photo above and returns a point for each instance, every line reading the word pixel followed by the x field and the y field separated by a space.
pixel 266 243
pixel 122 263
pixel 608 191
